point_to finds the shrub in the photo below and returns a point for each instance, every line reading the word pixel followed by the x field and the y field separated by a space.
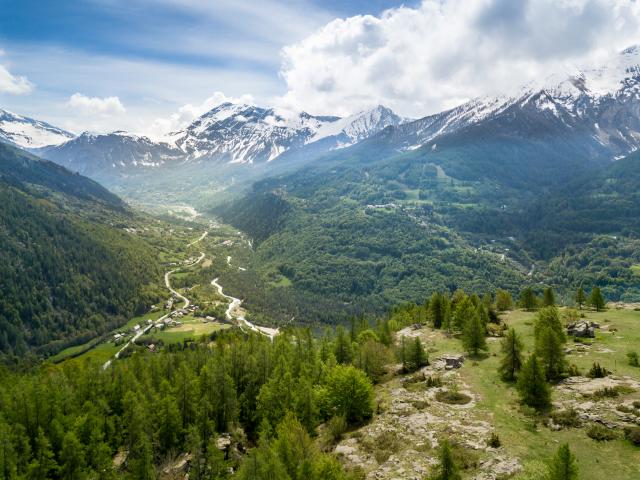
pixel 636 404
pixel 633 359
pixel 336 427
pixel 573 370
pixel 434 382
pixel 566 418
pixel 597 371
pixel 606 392
pixel 633 435
pixel 600 433
pixel 494 440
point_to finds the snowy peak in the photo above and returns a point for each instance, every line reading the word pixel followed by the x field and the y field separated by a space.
pixel 358 127
pixel 240 133
pixel 29 133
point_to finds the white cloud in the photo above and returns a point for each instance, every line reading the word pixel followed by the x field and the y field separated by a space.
pixel 188 113
pixel 424 59
pixel 96 105
pixel 14 85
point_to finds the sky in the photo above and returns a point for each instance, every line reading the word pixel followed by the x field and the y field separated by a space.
pixel 152 66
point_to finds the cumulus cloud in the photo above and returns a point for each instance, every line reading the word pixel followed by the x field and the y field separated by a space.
pixel 434 56
pixel 96 105
pixel 188 113
pixel 12 84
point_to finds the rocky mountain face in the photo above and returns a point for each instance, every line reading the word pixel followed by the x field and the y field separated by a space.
pixel 28 133
pixel 601 106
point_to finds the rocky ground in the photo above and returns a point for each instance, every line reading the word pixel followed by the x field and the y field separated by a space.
pixel 414 416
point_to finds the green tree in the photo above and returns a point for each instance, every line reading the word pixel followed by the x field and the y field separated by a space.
pixel 419 355
pixel 447 468
pixel 504 301
pixel 372 358
pixel 580 297
pixel 43 463
pixel 563 465
pixel 473 334
pixel 72 458
pixel 596 300
pixel 528 299
pixel 532 385
pixel 512 348
pixel 8 457
pixel 438 309
pixel 549 297
pixel 342 347
pixel 549 348
pixel 349 393
pixel 549 317
pixel 465 311
pixel 141 460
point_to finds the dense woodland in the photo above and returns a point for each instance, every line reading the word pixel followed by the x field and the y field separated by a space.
pixel 65 277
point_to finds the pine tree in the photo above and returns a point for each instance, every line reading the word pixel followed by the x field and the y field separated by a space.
pixel 563 465
pixel 549 348
pixel 438 310
pixel 8 457
pixel 43 463
pixel 342 348
pixel 71 458
pixel 473 335
pixel 549 297
pixel 528 299
pixel 512 348
pixel 596 300
pixel 418 355
pixel 532 385
pixel 580 297
pixel 447 468
pixel 504 301
pixel 465 310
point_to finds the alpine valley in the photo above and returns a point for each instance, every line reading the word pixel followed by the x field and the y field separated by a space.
pixel 267 294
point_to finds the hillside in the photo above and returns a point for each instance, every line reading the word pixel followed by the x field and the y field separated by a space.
pixel 67 273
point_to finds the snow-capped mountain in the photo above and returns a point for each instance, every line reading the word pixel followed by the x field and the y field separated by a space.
pixel 28 133
pixel 91 154
pixel 239 133
pixel 602 104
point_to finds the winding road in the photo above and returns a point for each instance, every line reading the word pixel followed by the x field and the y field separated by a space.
pixel 167 283
pixel 232 314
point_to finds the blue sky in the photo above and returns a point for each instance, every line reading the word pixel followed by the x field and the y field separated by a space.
pixel 154 55
pixel 151 66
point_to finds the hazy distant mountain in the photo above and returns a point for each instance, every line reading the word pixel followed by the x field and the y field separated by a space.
pixel 91 154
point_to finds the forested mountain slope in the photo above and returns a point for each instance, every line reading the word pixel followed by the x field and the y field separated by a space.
pixel 65 276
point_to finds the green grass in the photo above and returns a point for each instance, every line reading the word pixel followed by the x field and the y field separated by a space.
pixel 597 460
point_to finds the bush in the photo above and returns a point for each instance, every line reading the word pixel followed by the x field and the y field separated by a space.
pixel 633 359
pixel 606 392
pixel 600 433
pixel 434 382
pixel 336 427
pixel 573 370
pixel 349 393
pixel 597 371
pixel 633 435
pixel 566 418
pixel 494 440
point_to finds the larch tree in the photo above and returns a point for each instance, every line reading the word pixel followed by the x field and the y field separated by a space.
pixel 532 385
pixel 511 362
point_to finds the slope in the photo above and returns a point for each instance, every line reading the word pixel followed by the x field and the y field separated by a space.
pixel 66 273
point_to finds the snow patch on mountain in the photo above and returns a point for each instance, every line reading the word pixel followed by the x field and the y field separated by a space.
pixel 29 133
